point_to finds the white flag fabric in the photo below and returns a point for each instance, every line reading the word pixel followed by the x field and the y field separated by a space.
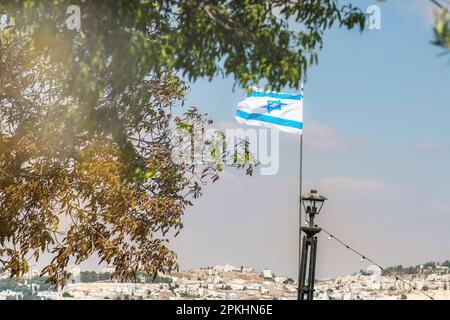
pixel 282 111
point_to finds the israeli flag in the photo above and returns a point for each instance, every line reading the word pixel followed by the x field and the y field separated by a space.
pixel 282 111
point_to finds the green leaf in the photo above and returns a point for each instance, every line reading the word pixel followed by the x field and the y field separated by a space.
pixel 148 175
pixel 184 126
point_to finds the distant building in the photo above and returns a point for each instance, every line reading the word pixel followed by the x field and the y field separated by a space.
pixel 237 286
pixel 75 273
pixel 267 273
pixel 33 272
pixel 212 272
pixel 281 280
pixel 108 269
pixel 218 280
pixel 247 270
pixel 226 268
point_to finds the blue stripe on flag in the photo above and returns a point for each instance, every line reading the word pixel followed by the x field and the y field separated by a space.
pixel 269 119
pixel 286 96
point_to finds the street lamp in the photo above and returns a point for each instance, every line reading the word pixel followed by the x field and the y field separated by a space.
pixel 312 203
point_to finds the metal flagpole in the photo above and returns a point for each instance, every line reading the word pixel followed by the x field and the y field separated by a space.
pixel 300 205
pixel 300 282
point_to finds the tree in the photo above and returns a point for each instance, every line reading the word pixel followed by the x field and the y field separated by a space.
pixel 446 263
pixel 86 118
pixel 72 189
pixel 249 40
pixel 442 30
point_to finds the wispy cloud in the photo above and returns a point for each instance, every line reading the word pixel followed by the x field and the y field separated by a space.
pixel 433 146
pixel 223 125
pixel 421 8
pixel 353 185
pixel 443 208
pixel 324 136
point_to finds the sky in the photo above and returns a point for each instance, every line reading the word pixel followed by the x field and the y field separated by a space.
pixel 376 144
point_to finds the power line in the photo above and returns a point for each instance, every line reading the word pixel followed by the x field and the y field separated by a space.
pixel 364 257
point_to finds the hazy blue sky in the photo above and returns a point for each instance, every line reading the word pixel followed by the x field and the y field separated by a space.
pixel 377 144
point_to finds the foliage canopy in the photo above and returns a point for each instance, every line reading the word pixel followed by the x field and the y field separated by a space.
pixel 86 117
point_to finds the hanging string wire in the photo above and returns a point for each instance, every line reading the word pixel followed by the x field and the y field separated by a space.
pixel 364 257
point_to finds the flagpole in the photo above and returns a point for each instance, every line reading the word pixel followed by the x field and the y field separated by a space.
pixel 300 205
pixel 300 217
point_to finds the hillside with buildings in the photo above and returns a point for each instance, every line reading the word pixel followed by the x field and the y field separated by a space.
pixel 228 282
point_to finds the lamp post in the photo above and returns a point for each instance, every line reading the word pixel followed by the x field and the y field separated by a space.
pixel 312 204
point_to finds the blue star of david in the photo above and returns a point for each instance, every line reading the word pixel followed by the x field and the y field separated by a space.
pixel 274 105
